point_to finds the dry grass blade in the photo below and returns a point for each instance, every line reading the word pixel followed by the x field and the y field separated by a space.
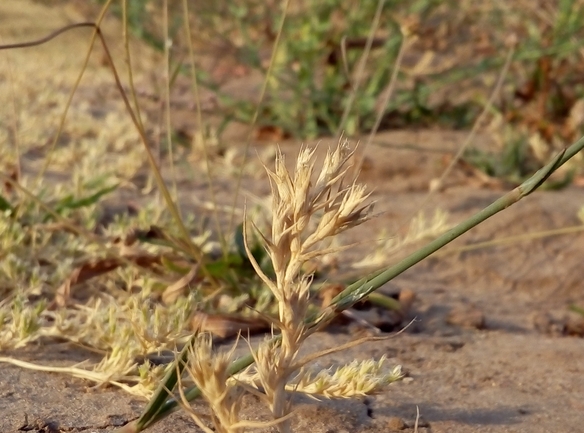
pixel 71 371
pixel 210 372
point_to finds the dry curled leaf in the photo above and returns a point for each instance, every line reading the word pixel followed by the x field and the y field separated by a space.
pixel 178 288
pixel 94 268
pixel 270 133
pixel 225 325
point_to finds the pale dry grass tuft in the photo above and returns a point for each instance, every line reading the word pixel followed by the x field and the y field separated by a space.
pixel 210 373
pixel 305 212
pixel 125 331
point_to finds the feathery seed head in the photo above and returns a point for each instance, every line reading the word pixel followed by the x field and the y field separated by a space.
pixel 296 202
pixel 351 380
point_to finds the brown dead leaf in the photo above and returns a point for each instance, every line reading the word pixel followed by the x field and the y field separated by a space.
pixel 178 288
pixel 270 133
pixel 94 268
pixel 226 325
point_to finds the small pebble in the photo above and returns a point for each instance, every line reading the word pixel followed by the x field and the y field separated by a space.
pixel 466 317
pixel 396 423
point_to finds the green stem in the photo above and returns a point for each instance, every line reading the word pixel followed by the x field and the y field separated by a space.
pixel 362 288
pixel 384 301
pixel 577 309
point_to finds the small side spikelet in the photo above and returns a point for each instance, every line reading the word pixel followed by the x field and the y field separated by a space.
pixel 352 380
pixel 210 373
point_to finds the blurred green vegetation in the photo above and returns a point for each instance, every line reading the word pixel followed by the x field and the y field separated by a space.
pixel 453 53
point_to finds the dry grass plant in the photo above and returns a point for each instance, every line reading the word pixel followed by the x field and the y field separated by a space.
pixel 296 200
pixel 307 210
pixel 210 373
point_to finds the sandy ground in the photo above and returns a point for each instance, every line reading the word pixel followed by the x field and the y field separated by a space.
pixel 514 372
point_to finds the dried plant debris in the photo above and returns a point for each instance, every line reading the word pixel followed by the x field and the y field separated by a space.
pixel 420 228
pixel 123 331
pixel 565 324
